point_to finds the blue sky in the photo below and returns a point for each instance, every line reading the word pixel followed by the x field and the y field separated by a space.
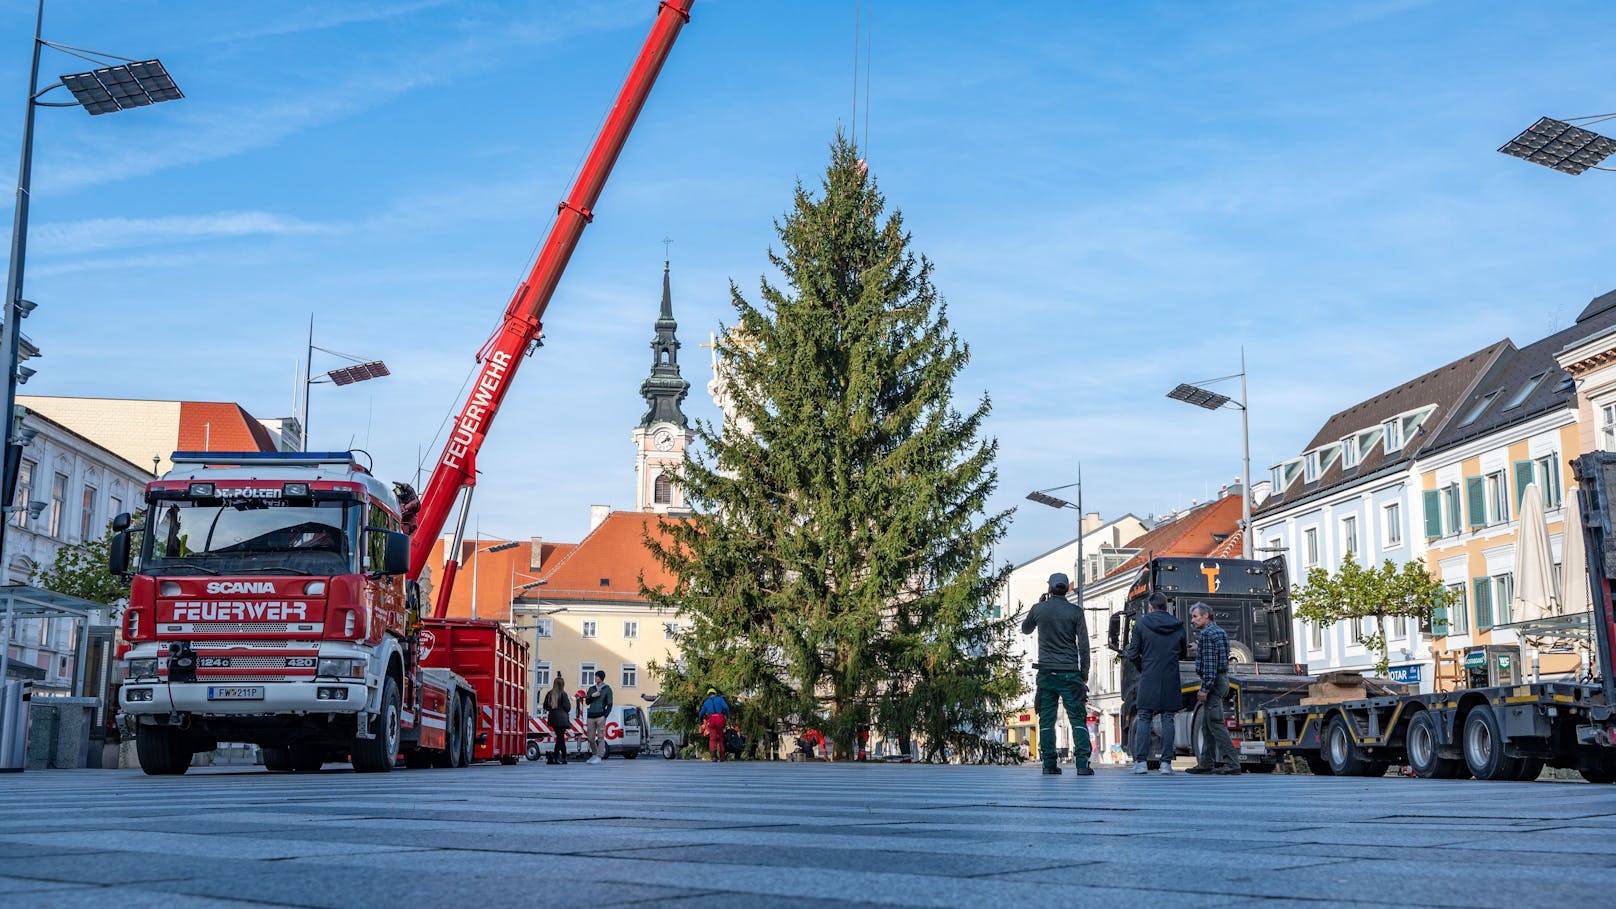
pixel 1117 197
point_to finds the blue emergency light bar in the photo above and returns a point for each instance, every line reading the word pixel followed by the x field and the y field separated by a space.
pixel 285 458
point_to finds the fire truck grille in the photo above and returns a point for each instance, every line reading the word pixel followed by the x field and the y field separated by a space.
pixel 241 662
pixel 200 646
pixel 240 628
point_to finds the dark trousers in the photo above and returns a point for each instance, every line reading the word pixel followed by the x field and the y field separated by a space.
pixel 1053 688
pixel 1214 731
pixel 559 723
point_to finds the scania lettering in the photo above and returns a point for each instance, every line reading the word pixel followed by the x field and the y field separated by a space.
pixel 275 597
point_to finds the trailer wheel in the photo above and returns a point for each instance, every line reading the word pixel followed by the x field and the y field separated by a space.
pixel 1317 765
pixel 450 755
pixel 1344 757
pixel 1484 746
pixel 468 731
pixel 378 754
pixel 276 760
pixel 162 750
pixel 1424 755
pixel 1531 769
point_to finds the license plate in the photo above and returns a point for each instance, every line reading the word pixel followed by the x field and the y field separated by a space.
pixel 1253 748
pixel 252 693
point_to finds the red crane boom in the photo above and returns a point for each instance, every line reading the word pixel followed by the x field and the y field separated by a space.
pixel 456 468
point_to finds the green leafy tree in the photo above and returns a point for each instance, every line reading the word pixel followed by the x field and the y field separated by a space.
pixel 837 571
pixel 1356 592
pixel 80 570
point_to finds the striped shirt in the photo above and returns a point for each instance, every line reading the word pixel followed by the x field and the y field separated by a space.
pixel 1211 654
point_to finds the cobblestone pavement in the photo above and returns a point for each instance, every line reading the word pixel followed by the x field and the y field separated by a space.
pixel 679 833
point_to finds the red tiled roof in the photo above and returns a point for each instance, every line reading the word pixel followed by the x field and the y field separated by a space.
pixel 611 560
pixel 212 426
pixel 498 575
pixel 1204 531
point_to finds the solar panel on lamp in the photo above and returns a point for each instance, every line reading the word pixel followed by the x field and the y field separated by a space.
pixel 1560 146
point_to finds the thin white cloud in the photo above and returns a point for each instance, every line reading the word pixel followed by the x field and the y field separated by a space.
pixel 100 234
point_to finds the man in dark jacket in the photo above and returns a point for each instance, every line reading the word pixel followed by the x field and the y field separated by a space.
pixel 1154 648
pixel 1063 672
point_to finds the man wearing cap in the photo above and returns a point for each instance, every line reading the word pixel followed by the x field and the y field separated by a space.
pixel 715 716
pixel 1063 672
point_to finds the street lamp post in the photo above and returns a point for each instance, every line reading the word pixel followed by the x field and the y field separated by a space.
pixel 362 371
pixel 1043 497
pixel 1201 397
pixel 114 87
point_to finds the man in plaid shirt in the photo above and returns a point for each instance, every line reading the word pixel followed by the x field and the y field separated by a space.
pixel 1212 665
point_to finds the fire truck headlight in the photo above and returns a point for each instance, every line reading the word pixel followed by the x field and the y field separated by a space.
pixel 141 669
pixel 137 694
pixel 340 667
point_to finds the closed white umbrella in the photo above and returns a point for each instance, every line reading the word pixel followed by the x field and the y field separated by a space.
pixel 1534 563
pixel 1574 595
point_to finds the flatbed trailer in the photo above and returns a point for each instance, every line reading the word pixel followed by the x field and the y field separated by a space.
pixel 1494 732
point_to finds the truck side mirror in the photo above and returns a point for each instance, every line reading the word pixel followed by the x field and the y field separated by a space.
pixel 396 558
pixel 121 523
pixel 118 549
pixel 1113 632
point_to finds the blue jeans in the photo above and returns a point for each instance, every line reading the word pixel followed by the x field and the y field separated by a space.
pixel 1141 734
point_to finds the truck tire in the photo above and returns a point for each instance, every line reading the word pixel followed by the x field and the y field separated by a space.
pixel 1484 746
pixel 450 755
pixel 468 732
pixel 1598 776
pixel 1424 754
pixel 1317 765
pixel 162 750
pixel 276 760
pixel 376 755
pixel 1345 758
pixel 534 752
pixel 306 758
pixel 668 751
pixel 1531 769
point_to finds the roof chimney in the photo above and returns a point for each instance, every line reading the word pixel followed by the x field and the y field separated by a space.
pixel 536 556
pixel 1092 522
pixel 597 514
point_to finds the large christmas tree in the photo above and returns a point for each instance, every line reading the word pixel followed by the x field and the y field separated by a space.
pixel 837 573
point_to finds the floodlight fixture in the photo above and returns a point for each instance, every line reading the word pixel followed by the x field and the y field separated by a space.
pixel 24 373
pixel 361 372
pixel 26 307
pixel 1560 146
pixel 1044 498
pixel 501 547
pixel 122 87
pixel 1200 397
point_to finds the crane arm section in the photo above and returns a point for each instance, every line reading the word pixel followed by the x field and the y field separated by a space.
pixel 456 467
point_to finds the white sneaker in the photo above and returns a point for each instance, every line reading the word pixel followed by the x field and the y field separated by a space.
pixel 1139 767
pixel 595 759
pixel 1166 769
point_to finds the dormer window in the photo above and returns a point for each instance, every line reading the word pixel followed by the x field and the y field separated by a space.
pixel 1310 467
pixel 1349 452
pixel 1476 410
pixel 1276 477
pixel 1392 432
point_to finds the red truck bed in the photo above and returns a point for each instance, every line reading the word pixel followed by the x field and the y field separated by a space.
pixel 494 661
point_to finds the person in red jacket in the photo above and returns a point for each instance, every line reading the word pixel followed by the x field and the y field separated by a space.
pixel 715 716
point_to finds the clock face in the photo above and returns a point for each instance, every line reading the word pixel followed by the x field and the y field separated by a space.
pixel 664 440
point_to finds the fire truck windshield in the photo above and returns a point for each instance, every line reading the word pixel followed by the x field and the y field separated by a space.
pixel 250 535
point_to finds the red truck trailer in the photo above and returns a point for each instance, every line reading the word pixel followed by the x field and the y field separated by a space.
pixel 277 598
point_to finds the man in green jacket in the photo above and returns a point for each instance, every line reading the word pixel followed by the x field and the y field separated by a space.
pixel 1063 672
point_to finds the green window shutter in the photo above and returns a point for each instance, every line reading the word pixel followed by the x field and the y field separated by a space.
pixel 1439 622
pixel 1523 479
pixel 1433 514
pixel 1476 501
pixel 1484 602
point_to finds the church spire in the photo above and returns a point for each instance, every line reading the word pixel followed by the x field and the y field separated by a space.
pixel 665 389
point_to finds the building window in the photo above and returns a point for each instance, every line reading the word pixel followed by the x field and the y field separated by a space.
pixel 1310 467
pixel 586 674
pixel 58 504
pixel 1310 547
pixel 1349 452
pixel 1456 618
pixel 1503 598
pixel 544 628
pixel 670 630
pixel 1276 475
pixel 631 675
pixel 1520 396
pixel 1315 635
pixel 1546 473
pixel 589 629
pixel 87 514
pixel 1275 548
pixel 662 490
pixel 631 630
pixel 1607 427
pixel 25 489
pixel 541 676
pixel 114 506
pixel 1450 508
pixel 1349 536
pixel 1393 515
pixel 1497 498
pixel 1392 433
pixel 1475 411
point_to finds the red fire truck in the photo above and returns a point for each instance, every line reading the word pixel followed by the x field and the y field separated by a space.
pixel 276 599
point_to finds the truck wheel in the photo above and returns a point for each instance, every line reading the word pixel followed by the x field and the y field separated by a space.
pixel 534 753
pixel 1531 768
pixel 1484 747
pixel 1344 757
pixel 468 731
pixel 668 751
pixel 377 755
pixel 1424 755
pixel 450 755
pixel 276 760
pixel 162 750
pixel 306 758
pixel 1317 765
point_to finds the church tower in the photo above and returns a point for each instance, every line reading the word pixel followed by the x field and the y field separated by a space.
pixel 664 433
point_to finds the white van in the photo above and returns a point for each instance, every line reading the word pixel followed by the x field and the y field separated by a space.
pixel 625 734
